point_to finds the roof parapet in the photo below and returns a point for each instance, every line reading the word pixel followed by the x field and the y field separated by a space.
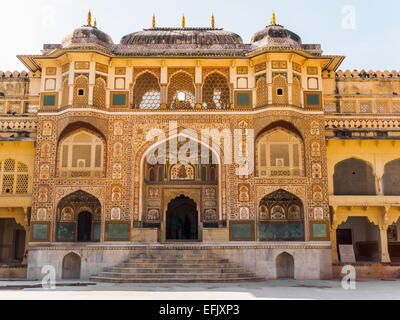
pixel 355 74
pixel 18 75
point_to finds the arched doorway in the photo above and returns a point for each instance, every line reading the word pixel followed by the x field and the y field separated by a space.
pixel 281 216
pixel 182 220
pixel 71 267
pixel 79 218
pixel 84 227
pixel 285 266
pixel 168 171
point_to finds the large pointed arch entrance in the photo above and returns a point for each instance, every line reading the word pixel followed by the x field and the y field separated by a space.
pixel 187 171
pixel 182 220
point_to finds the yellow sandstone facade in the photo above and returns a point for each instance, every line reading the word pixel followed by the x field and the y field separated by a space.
pixel 74 150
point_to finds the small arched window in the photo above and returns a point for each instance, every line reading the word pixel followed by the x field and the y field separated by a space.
pixel 216 93
pixel 391 178
pixel 147 92
pixel 181 91
pixel 280 90
pixel 99 92
pixel 82 155
pixel 354 177
pixel 280 153
pixel 81 90
pixel 14 177
pixel 262 91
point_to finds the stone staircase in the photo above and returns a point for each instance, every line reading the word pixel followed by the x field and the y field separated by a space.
pixel 175 266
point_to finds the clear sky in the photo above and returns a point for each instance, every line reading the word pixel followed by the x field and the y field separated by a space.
pixel 366 31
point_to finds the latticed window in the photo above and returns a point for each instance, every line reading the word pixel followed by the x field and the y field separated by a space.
pixel 147 92
pixel 181 91
pixel 396 108
pixel 216 92
pixel 365 108
pixel 15 108
pixel 279 153
pixel 65 93
pixel 381 108
pixel 14 177
pixel 330 107
pixel 348 108
pixel 262 92
pixel 280 90
pixel 81 90
pixel 99 93
pixel 81 155
pixel 296 92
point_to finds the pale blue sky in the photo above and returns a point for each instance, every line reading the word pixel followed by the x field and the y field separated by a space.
pixel 374 43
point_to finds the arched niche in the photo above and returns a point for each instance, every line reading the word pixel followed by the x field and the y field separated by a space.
pixel 354 177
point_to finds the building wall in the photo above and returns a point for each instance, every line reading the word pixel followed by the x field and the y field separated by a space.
pixel 360 121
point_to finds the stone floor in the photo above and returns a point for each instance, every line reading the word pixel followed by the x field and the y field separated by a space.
pixel 271 290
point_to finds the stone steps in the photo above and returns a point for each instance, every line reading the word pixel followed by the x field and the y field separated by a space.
pixel 176 280
pixel 174 270
pixel 173 260
pixel 186 275
pixel 175 266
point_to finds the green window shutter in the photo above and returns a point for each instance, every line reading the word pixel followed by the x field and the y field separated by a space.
pixel 243 99
pixel 40 232
pixel 313 100
pixel 319 230
pixel 119 100
pixel 65 232
pixel 118 231
pixel 49 100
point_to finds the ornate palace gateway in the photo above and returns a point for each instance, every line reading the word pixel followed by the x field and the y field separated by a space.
pixel 79 192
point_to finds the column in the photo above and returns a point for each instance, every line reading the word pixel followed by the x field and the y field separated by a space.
pixel 198 96
pixel 290 93
pixel 383 228
pixel 290 83
pixel 164 83
pixel 91 90
pixel 334 226
pixel 385 258
pixel 27 234
pixel 164 96
pixel 71 80
pixel 379 171
pixel 92 81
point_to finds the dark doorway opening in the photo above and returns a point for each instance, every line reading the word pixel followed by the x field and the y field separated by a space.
pixel 182 220
pixel 343 237
pixel 84 227
pixel 12 242
pixel 19 249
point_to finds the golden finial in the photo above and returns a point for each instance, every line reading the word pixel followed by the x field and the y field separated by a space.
pixel 212 21
pixel 95 23
pixel 183 21
pixel 273 21
pixel 154 21
pixel 89 18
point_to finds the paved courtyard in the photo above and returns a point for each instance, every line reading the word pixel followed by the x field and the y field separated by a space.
pixel 271 290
